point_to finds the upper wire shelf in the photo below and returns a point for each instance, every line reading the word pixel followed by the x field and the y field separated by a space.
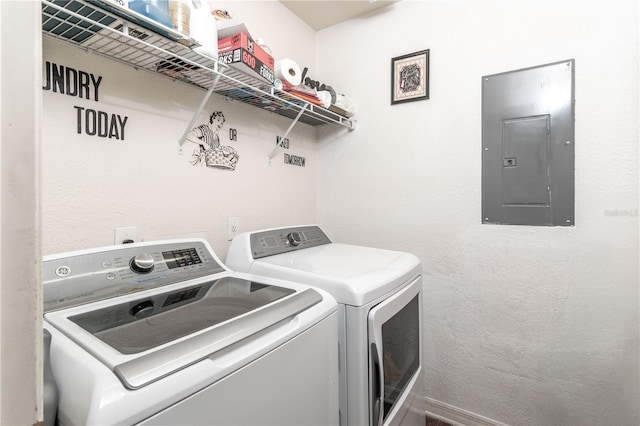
pixel 131 38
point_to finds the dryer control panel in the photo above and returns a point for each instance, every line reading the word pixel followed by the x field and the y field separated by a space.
pixel 283 240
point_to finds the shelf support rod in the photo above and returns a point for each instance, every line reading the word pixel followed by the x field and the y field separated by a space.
pixel 286 133
pixel 197 113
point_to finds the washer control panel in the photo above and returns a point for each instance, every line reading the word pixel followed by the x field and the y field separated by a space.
pixel 76 278
pixel 284 240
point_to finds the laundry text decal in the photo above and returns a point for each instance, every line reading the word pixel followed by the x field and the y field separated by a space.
pixel 81 84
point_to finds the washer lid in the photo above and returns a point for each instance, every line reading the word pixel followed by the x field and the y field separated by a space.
pixel 146 323
pixel 149 337
pixel 353 275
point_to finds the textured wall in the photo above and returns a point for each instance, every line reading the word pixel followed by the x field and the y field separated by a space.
pixel 90 185
pixel 525 325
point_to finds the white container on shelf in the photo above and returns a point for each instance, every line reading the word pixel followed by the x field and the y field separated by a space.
pixel 203 28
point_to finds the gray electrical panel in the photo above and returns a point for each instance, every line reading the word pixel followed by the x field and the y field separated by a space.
pixel 528 146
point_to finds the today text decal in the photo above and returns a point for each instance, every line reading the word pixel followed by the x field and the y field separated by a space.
pixel 71 82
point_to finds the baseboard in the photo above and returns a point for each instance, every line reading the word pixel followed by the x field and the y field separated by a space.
pixel 456 416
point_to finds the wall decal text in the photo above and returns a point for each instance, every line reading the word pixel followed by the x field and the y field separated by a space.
pixel 282 143
pixel 69 81
pixel 100 123
pixel 294 160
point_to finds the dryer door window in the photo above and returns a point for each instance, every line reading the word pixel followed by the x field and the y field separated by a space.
pixel 394 333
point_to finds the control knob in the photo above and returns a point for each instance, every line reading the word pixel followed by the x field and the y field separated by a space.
pixel 142 309
pixel 294 238
pixel 142 263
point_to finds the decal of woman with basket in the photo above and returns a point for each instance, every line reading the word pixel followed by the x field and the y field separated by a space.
pixel 211 153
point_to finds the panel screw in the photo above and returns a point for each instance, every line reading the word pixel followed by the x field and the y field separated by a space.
pixel 486 149
pixel 567 143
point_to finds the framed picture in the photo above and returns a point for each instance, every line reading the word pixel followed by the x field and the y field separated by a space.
pixel 410 77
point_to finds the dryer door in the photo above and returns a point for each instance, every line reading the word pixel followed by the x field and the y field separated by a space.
pixel 394 354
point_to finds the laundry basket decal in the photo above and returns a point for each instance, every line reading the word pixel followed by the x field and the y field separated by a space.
pixel 210 152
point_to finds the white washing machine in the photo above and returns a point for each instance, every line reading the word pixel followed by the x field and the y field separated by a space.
pixel 163 333
pixel 379 294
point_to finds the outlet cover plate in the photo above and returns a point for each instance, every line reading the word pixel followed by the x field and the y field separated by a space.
pixel 125 233
pixel 233 227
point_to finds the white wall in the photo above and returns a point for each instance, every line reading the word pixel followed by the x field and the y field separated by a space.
pixel 524 325
pixel 92 185
pixel 20 306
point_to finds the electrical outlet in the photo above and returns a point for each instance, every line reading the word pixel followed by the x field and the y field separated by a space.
pixel 125 235
pixel 233 227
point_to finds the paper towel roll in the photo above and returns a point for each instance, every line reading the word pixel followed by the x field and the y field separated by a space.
pixel 325 98
pixel 288 72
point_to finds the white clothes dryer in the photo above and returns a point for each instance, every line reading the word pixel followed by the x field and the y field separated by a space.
pixel 162 333
pixel 379 294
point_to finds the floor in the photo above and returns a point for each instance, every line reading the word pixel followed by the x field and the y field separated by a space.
pixel 432 421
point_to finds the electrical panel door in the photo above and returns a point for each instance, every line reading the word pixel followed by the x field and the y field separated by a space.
pixel 528 146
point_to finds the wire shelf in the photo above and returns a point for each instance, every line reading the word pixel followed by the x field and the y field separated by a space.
pixel 128 37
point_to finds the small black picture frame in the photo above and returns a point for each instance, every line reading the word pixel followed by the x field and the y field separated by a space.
pixel 410 77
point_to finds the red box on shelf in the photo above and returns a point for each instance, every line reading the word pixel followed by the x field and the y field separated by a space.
pixel 241 52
